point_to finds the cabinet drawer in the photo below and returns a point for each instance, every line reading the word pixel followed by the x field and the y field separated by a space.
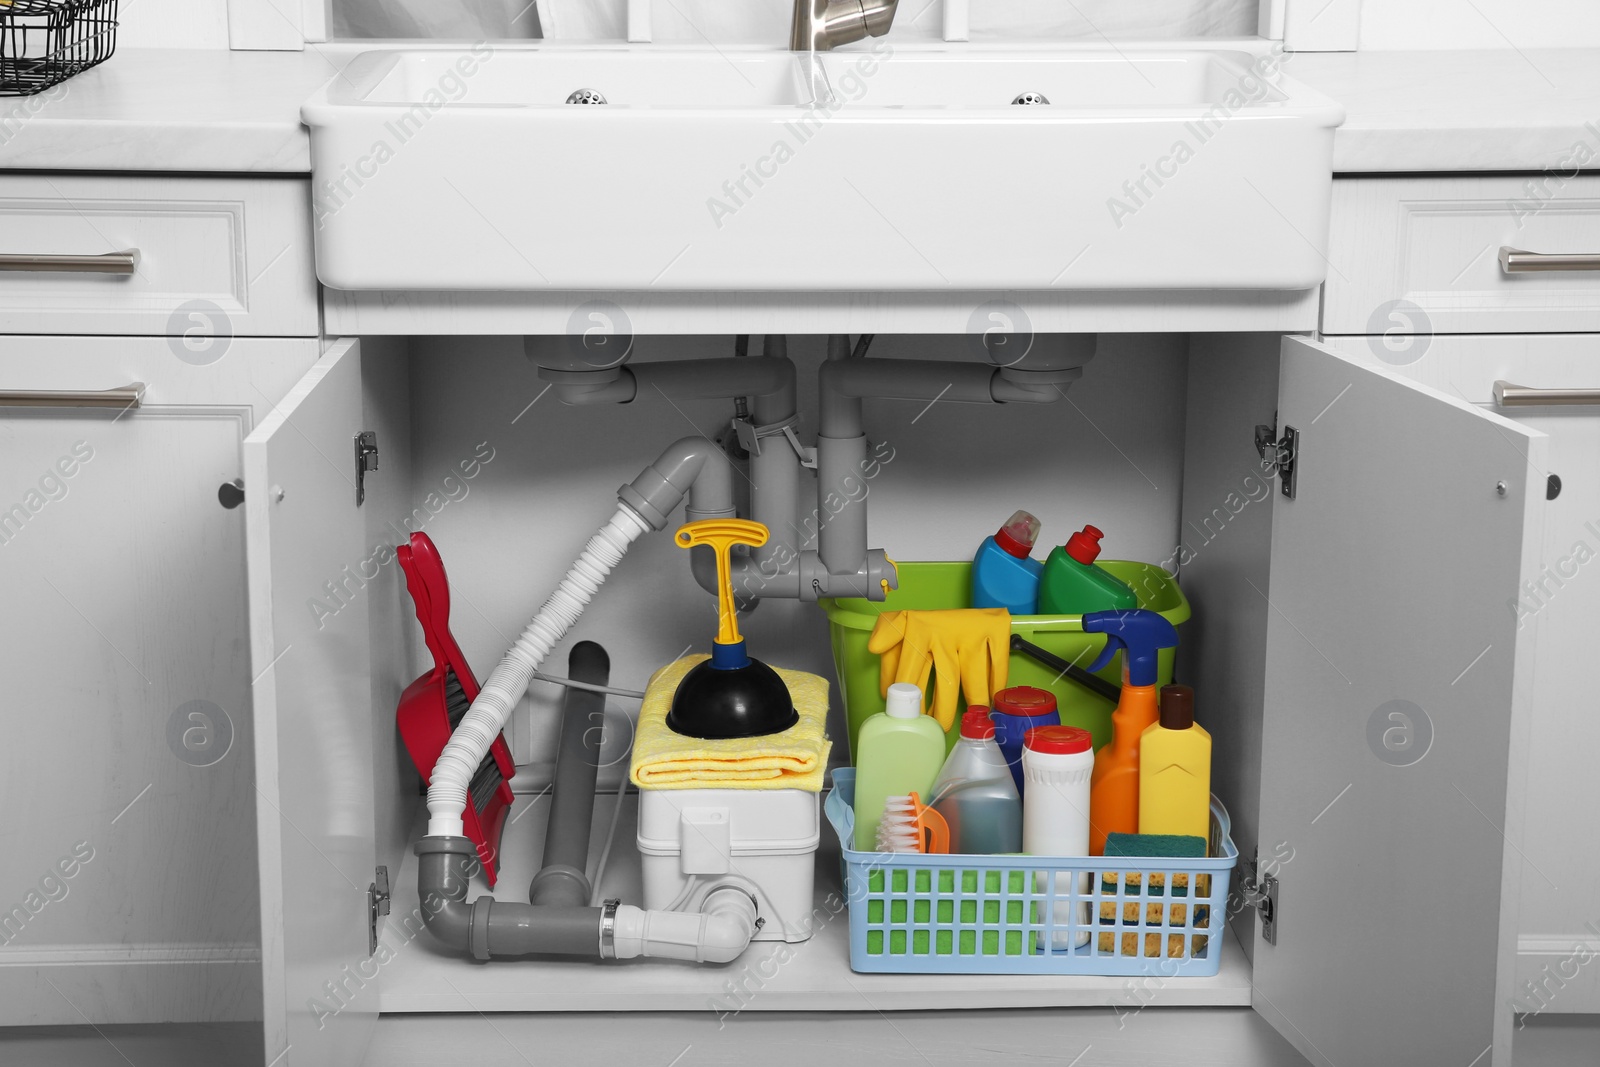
pixel 1435 242
pixel 228 256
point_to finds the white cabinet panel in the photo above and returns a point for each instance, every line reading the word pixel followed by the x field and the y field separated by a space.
pixel 1223 557
pixel 1396 711
pixel 128 891
pixel 217 256
pixel 1559 928
pixel 310 658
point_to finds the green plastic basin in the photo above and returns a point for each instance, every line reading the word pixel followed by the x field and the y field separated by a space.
pixel 929 586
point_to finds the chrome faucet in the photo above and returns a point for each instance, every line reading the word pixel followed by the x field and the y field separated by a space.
pixel 820 25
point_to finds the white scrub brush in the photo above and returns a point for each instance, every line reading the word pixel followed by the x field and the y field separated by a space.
pixel 908 826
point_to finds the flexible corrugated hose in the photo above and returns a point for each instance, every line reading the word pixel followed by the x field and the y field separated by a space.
pixel 447 791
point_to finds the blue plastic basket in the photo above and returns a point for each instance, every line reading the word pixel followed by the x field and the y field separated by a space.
pixel 917 914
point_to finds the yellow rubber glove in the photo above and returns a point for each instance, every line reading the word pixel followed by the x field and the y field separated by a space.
pixel 963 649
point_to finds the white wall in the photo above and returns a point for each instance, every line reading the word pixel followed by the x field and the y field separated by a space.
pixel 1463 24
pixel 728 21
pixel 1110 455
pixel 172 24
pixel 1385 24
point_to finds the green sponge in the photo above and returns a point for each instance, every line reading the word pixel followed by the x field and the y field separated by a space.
pixel 1156 846
pixel 1152 846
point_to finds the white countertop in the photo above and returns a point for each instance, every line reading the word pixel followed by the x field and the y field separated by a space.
pixel 176 110
pixel 1459 111
pixel 239 112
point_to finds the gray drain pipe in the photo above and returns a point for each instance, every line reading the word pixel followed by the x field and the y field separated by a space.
pixel 841 564
pixel 561 880
pixel 556 922
pixel 488 928
pixel 491 929
pixel 847 566
pixel 696 465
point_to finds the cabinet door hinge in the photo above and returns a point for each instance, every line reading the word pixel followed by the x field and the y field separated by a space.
pixel 1280 452
pixel 377 904
pixel 1262 895
pixel 366 460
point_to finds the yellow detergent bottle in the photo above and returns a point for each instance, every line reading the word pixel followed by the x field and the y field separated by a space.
pixel 1175 770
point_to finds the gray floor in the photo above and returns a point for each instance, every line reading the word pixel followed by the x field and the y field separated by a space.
pixel 1193 1037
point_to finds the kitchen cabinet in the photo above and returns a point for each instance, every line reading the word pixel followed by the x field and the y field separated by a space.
pixel 1555 931
pixel 1359 835
pixel 1423 282
pixel 192 301
pixel 130 755
pixel 1373 693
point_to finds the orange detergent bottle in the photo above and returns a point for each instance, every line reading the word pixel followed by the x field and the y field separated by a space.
pixel 1114 785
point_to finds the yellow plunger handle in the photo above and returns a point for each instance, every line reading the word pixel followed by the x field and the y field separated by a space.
pixel 722 535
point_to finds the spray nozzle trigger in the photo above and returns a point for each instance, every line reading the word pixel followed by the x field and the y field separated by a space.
pixel 1139 633
pixel 1112 645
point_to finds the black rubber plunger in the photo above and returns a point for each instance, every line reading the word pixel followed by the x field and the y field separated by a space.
pixel 731 701
pixel 730 694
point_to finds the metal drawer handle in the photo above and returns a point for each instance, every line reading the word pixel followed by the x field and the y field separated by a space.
pixel 1507 395
pixel 125 262
pixel 128 396
pixel 1516 261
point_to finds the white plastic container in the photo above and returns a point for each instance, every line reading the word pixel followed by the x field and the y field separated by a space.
pixel 1057 762
pixel 768 837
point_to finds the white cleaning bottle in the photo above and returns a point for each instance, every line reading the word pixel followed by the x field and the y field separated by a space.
pixel 1057 762
pixel 897 752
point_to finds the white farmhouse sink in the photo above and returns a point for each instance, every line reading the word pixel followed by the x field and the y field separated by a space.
pixel 763 170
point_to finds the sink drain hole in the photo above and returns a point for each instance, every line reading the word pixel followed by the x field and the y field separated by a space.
pixel 585 96
pixel 1030 98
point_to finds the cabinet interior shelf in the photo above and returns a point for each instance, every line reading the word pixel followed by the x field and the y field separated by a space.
pixel 770 976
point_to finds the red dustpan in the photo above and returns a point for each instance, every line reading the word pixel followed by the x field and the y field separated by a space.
pixel 432 705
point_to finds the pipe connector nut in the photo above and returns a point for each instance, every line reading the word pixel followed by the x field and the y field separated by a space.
pixel 478 941
pixel 608 928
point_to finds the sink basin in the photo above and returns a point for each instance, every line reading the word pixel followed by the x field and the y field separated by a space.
pixel 1092 80
pixel 545 79
pixel 889 169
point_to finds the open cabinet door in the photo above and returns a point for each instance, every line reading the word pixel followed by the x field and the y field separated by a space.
pixel 310 660
pixel 1395 722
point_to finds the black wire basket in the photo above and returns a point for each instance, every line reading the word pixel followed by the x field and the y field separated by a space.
pixel 45 42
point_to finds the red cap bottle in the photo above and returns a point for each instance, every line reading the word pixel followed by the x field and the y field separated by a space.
pixel 1058 740
pixel 976 724
pixel 1084 546
pixel 1026 700
pixel 1018 535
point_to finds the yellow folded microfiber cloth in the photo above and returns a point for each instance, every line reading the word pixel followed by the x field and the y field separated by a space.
pixel 797 758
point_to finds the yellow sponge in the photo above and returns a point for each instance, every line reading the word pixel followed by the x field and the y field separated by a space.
pixel 797 758
pixel 1152 945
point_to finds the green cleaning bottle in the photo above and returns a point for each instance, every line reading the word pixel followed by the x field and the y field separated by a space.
pixel 1073 585
pixel 899 751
